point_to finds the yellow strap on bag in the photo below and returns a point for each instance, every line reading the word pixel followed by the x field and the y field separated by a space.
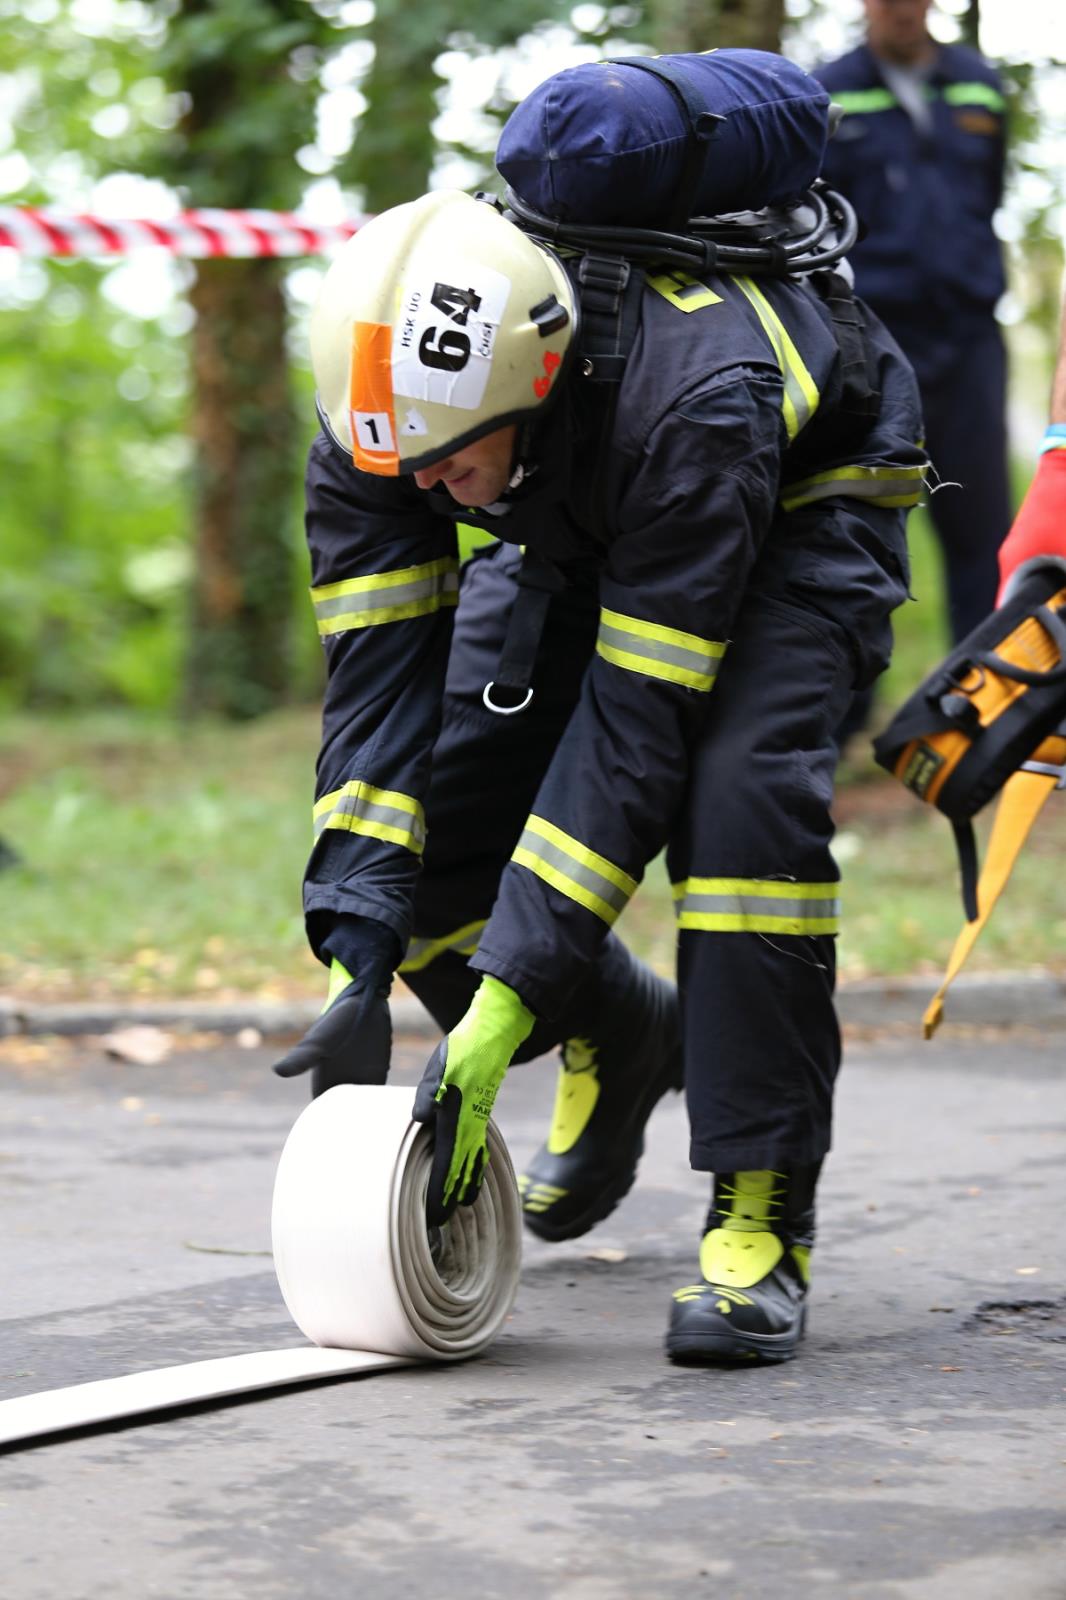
pixel 1021 801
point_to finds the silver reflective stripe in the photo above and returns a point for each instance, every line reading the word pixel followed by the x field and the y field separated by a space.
pixel 657 651
pixel 574 870
pixel 746 905
pixel 376 813
pixel 891 486
pixel 386 596
pixel 463 941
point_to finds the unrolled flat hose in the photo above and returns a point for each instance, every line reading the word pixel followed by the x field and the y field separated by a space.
pixel 362 1277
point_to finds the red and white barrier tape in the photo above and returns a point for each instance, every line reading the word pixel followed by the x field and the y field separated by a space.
pixel 47 231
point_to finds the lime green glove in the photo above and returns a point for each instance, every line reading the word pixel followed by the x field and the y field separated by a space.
pixel 458 1091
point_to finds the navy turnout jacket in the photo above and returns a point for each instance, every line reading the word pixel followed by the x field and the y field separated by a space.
pixel 726 467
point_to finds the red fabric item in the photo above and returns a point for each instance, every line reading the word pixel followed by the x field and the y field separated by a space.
pixel 1039 529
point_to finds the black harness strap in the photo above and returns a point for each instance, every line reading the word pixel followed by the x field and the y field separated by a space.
pixel 966 846
pixel 860 396
pixel 702 128
pixel 538 580
pixel 609 291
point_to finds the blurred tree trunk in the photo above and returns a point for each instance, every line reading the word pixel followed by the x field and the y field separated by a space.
pixel 243 68
pixel 243 428
pixel 709 24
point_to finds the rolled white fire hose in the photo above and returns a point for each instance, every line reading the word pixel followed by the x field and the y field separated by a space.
pixel 362 1276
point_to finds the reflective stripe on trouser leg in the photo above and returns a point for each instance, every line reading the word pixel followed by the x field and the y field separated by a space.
pixel 756 896
pixel 757 905
pixel 420 952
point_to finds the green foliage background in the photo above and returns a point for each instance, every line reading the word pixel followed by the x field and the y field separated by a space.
pixel 158 857
pixel 98 547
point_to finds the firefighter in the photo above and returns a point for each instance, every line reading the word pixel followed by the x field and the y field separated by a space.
pixel 713 546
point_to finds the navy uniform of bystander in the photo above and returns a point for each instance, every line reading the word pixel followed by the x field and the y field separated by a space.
pixel 919 152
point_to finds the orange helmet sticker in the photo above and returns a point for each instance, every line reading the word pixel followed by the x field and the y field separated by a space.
pixel 370 405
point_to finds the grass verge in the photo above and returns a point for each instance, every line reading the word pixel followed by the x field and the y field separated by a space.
pixel 159 861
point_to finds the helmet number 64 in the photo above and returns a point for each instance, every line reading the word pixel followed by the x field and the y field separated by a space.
pixel 451 351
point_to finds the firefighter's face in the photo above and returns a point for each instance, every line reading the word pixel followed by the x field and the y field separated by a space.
pixel 477 474
pixel 897 28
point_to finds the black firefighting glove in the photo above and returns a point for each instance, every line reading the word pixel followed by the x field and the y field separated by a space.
pixel 352 1039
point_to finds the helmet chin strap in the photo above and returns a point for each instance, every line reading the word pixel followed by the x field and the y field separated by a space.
pixel 521 466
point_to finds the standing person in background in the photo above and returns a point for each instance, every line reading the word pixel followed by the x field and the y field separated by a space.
pixel 920 152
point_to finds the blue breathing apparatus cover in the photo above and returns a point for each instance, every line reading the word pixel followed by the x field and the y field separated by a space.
pixel 610 143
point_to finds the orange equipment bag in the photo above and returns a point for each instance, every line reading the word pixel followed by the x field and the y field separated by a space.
pixel 990 718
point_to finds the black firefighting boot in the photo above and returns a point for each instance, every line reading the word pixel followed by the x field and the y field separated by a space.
pixel 610 1082
pixel 751 1304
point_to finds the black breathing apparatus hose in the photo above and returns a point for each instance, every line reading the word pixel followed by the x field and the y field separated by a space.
pixel 809 236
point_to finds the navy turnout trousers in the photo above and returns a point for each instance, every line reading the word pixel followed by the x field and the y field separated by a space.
pixel 962 374
pixel 755 881
pixel 966 436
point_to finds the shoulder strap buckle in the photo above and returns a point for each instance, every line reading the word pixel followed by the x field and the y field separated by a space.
pixel 603 281
pixel 609 290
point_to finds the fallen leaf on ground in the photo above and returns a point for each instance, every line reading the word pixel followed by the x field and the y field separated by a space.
pixel 140 1044
pixel 606 1254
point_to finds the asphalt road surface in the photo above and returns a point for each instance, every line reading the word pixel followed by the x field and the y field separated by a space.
pixel 916 1449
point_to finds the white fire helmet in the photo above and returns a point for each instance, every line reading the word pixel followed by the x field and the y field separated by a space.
pixel 438 322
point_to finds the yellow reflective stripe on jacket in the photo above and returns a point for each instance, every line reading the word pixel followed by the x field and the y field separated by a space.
pixel 889 486
pixel 376 813
pixel 658 652
pixel 860 100
pixel 974 94
pixel 800 400
pixel 386 596
pixel 684 291
pixel 756 905
pixel 420 952
pixel 576 871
